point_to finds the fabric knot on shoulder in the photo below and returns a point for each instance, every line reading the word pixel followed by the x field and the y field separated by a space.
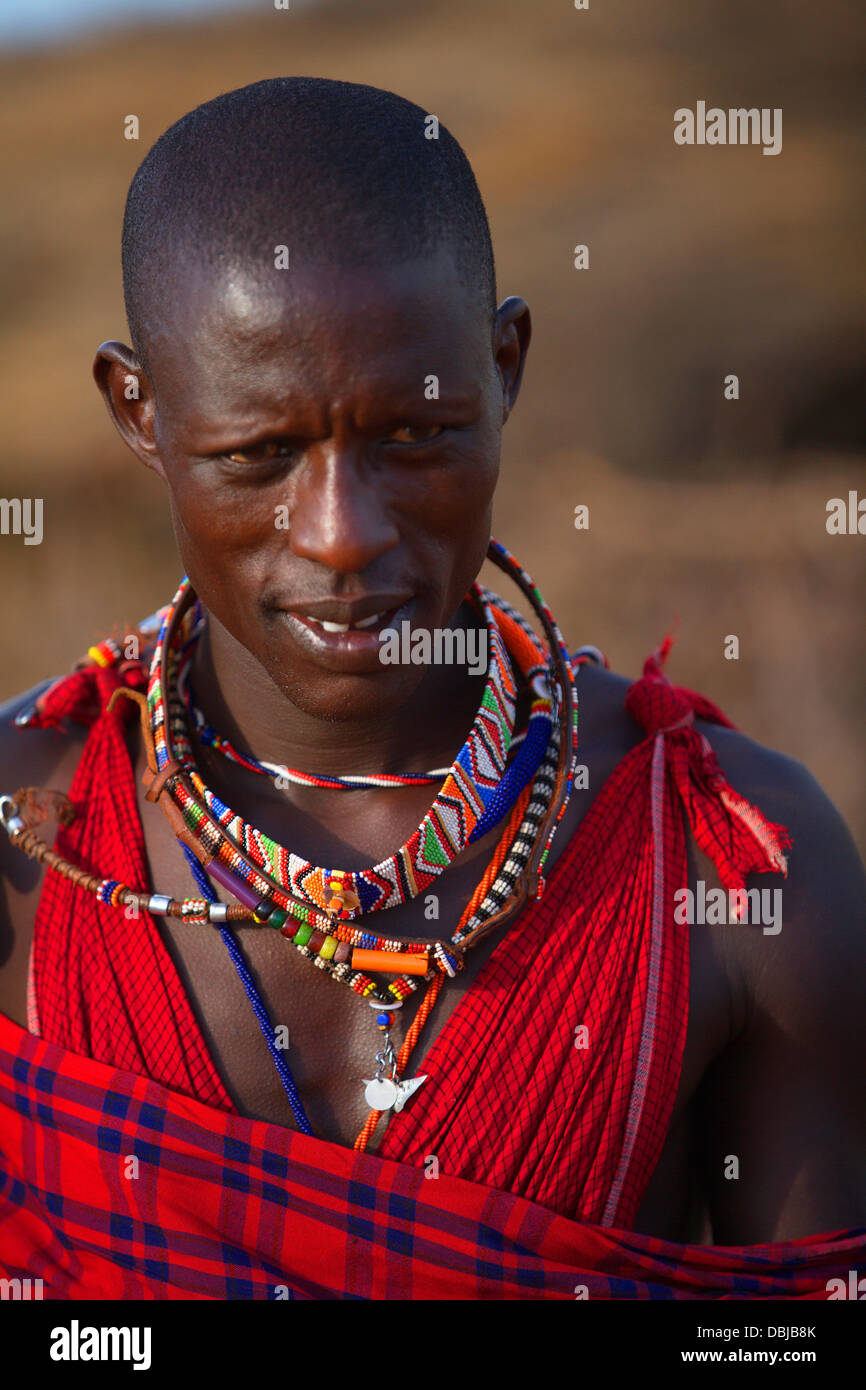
pixel 83 695
pixel 731 831
pixel 656 704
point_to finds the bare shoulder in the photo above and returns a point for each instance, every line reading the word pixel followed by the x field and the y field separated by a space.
pixel 28 757
pixel 819 954
pixel 824 891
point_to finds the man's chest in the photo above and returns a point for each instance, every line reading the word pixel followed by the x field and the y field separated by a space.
pixel 327 1034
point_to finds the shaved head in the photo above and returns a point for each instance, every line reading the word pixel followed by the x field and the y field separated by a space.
pixel 329 429
pixel 341 174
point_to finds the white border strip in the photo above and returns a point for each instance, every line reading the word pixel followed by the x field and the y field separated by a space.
pixel 647 1037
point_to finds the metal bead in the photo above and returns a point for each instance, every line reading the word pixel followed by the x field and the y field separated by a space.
pixel 158 902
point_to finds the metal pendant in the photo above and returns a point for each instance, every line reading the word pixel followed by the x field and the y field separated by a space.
pixel 380 1093
pixel 406 1089
pixel 385 1091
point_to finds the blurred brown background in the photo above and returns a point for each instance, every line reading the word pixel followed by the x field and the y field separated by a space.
pixel 703 261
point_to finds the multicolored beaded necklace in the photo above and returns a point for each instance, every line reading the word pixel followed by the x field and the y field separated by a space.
pixel 515 873
pixel 255 869
pixel 282 775
pixel 465 795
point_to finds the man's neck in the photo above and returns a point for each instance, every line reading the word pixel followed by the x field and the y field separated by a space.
pixel 240 700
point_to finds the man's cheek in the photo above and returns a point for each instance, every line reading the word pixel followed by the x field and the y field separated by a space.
pixel 224 517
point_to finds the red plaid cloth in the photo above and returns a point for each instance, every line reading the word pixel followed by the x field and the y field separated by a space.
pixel 513 1101
pixel 113 1187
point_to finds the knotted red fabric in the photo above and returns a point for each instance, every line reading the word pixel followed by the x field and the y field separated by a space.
pixel 555 1077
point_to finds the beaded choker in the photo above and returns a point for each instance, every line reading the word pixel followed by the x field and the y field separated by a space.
pixel 255 870
pixel 464 799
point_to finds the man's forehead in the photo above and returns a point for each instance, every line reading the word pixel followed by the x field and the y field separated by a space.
pixel 248 335
pixel 258 296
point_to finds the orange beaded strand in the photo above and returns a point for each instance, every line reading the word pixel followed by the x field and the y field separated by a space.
pixel 432 992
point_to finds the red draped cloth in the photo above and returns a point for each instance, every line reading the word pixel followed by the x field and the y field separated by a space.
pixel 112 1187
pixel 552 1083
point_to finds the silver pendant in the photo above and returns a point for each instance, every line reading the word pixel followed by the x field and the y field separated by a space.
pixel 384 1093
pixel 380 1093
pixel 406 1089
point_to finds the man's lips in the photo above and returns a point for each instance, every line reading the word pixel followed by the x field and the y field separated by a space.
pixel 347 640
pixel 342 614
pixel 373 621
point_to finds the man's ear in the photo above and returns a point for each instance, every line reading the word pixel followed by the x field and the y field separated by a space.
pixel 129 399
pixel 511 334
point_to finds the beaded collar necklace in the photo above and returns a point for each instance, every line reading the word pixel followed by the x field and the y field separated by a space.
pixel 264 880
pixel 345 951
pixel 260 873
pixel 259 862
pixel 462 802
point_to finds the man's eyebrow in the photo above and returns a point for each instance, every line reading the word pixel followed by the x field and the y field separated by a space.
pixel 212 436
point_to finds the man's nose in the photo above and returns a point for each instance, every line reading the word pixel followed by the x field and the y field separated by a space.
pixel 338 515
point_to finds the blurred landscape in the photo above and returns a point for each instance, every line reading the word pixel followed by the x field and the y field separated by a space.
pixel 703 262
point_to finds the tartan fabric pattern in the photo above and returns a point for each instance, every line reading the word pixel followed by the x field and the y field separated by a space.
pixel 512 1101
pixel 227 1208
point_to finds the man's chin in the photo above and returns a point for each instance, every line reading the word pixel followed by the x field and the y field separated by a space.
pixel 340 696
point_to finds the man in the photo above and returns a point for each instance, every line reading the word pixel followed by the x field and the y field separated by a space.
pixel 320 376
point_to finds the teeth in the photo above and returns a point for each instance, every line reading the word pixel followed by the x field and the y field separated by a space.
pixel 369 622
pixel 326 627
pixel 344 627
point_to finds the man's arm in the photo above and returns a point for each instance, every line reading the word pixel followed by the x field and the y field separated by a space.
pixel 784 1106
pixel 28 757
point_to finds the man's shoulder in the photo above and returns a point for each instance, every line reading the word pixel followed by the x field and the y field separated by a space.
pixel 823 856
pixel 804 977
pixel 754 769
pixel 825 887
pixel 757 772
pixel 30 755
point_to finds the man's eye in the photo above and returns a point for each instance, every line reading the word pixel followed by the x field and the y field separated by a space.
pixel 415 434
pixel 265 452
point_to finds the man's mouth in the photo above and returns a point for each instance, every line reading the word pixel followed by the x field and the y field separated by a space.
pixel 342 640
pixel 375 620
